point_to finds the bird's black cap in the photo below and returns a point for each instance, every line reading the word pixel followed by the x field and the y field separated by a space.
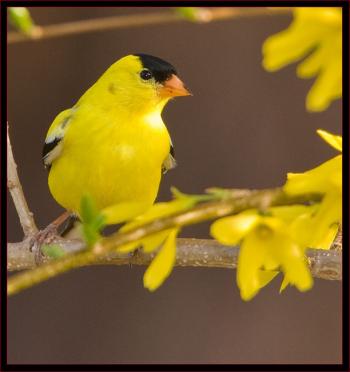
pixel 160 69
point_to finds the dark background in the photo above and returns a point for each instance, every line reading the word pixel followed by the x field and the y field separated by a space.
pixel 243 128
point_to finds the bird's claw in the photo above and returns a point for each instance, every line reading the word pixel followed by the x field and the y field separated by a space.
pixel 45 236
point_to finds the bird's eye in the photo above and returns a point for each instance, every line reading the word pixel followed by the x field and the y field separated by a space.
pixel 146 75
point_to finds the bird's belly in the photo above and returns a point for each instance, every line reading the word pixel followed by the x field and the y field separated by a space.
pixel 112 173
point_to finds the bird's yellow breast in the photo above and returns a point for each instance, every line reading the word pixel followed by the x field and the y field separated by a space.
pixel 113 160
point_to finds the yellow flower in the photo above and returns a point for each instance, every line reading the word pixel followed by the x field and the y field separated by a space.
pixel 161 266
pixel 266 247
pixel 315 30
pixel 319 228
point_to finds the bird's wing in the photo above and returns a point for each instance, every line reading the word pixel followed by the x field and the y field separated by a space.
pixel 169 162
pixel 53 142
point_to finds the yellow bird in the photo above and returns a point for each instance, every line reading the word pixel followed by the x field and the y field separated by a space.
pixel 112 144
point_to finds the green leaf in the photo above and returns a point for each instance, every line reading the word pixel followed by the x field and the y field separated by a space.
pixel 20 18
pixel 93 220
pixel 53 251
pixel 189 13
pixel 196 198
pixel 91 234
pixel 87 209
pixel 194 14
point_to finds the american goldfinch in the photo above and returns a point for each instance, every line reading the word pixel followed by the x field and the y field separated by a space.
pixel 112 144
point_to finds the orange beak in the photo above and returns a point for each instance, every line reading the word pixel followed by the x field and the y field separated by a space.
pixel 173 87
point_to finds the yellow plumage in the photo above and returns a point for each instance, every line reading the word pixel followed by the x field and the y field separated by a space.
pixel 113 143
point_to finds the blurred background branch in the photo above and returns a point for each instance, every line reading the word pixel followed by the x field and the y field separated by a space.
pixel 138 20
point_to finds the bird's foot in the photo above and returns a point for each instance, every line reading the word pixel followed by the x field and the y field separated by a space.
pixel 51 232
pixel 45 236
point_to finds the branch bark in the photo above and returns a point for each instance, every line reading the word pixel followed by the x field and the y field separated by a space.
pixel 137 20
pixel 13 184
pixel 189 252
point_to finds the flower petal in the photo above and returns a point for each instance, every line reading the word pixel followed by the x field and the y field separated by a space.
pixel 161 266
pixel 298 274
pixel 325 222
pixel 250 260
pixel 321 93
pixel 292 259
pixel 266 276
pixel 318 180
pixel 284 284
pixel 311 65
pixel 230 230
pixel 331 139
pixel 289 213
pixel 154 241
pixel 286 47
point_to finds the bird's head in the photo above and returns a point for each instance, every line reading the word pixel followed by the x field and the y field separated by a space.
pixel 142 82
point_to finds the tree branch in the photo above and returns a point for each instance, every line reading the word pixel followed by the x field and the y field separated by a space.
pixel 13 184
pixel 233 202
pixel 325 264
pixel 137 20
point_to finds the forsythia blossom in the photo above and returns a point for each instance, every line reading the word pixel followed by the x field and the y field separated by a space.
pixel 266 247
pixel 325 179
pixel 277 239
pixel 315 30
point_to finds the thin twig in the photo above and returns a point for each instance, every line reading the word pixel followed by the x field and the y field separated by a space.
pixel 325 264
pixel 137 20
pixel 14 185
pixel 233 204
